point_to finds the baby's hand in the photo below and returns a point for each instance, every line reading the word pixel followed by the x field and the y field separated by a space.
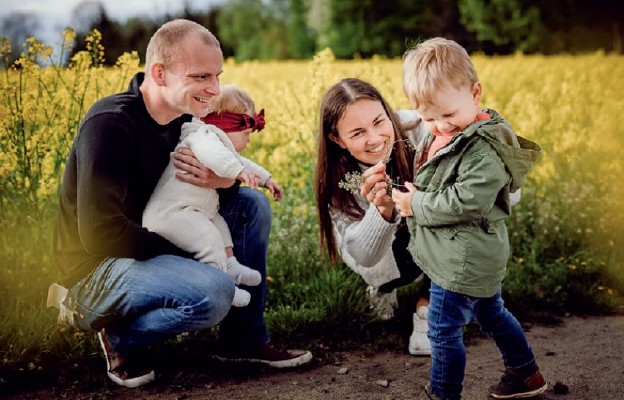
pixel 248 178
pixel 403 200
pixel 275 189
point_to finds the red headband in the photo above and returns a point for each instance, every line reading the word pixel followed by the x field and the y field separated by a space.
pixel 235 122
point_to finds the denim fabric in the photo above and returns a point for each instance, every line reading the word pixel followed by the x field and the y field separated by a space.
pixel 248 216
pixel 449 312
pixel 145 302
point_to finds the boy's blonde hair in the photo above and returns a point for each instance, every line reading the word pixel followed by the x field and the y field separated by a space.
pixel 233 99
pixel 430 65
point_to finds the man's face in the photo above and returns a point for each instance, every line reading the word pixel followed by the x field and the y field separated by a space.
pixel 193 80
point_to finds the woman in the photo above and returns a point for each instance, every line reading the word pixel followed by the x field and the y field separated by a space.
pixel 360 133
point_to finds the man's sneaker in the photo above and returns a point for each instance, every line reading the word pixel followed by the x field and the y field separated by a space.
pixel 267 354
pixel 120 369
pixel 419 344
pixel 384 304
pixel 56 296
pixel 519 383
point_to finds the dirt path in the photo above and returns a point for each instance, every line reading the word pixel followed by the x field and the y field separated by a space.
pixel 584 354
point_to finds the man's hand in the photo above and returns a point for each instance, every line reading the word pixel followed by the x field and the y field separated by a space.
pixel 403 200
pixel 194 172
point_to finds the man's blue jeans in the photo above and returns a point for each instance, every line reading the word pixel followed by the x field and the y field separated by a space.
pixel 145 302
pixel 448 313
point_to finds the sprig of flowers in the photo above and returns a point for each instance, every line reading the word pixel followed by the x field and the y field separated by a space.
pixel 353 180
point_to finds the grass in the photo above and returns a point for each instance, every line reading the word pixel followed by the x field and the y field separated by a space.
pixel 310 304
pixel 565 233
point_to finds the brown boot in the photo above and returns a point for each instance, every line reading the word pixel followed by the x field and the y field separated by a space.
pixel 519 383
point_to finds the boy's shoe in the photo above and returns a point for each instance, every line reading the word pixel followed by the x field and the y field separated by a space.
pixel 431 396
pixel 519 383
pixel 120 369
pixel 241 274
pixel 56 296
pixel 241 298
pixel 384 304
pixel 267 354
pixel 419 344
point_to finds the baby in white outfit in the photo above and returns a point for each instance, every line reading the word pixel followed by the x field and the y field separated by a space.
pixel 186 214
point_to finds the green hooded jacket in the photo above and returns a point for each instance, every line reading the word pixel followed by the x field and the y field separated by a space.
pixel 458 232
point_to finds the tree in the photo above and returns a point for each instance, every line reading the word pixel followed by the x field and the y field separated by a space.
pixel 91 14
pixel 301 41
pixel 368 27
pixel 17 27
pixel 510 24
pixel 240 25
pixel 254 29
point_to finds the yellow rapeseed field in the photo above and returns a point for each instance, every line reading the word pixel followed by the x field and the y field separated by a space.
pixel 571 105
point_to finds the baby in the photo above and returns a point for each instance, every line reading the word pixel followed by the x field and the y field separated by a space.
pixel 186 214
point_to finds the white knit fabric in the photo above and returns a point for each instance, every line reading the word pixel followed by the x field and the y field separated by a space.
pixel 366 245
pixel 187 215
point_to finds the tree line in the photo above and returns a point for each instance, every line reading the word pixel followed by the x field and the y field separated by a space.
pixel 297 29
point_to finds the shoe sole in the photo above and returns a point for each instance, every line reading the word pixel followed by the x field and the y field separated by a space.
pixel 293 362
pixel 426 353
pixel 521 395
pixel 129 383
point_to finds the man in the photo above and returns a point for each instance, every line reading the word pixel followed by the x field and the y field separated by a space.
pixel 130 285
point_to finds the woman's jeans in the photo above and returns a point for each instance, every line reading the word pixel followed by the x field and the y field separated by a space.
pixel 145 302
pixel 449 312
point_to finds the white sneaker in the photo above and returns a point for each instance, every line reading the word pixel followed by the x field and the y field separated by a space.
pixel 241 298
pixel 56 296
pixel 241 274
pixel 384 304
pixel 419 344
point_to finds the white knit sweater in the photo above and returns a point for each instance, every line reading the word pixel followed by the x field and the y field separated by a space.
pixel 366 245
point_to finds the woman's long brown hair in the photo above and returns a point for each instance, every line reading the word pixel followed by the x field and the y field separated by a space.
pixel 334 162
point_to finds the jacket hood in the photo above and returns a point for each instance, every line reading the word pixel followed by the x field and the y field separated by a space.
pixel 518 154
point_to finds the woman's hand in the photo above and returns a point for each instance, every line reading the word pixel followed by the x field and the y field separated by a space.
pixel 375 189
pixel 194 172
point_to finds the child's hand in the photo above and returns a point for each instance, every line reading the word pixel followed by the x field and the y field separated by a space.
pixel 275 189
pixel 248 178
pixel 403 200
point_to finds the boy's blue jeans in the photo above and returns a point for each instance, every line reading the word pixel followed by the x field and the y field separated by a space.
pixel 448 313
pixel 145 302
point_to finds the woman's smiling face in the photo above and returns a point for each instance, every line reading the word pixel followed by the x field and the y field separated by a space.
pixel 365 131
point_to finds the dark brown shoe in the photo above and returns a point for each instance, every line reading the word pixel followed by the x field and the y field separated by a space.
pixel 121 369
pixel 267 354
pixel 519 383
